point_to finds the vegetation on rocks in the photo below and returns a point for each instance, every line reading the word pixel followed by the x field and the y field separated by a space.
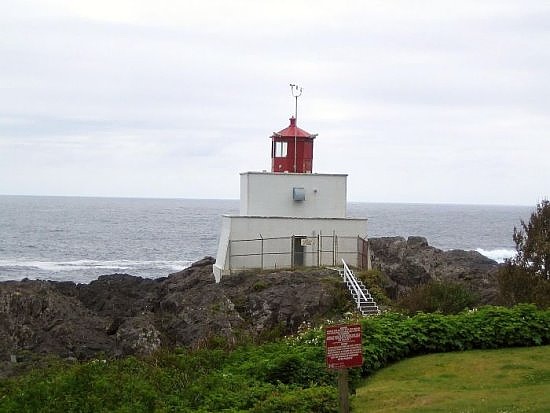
pixel 377 283
pixel 526 277
pixel 288 375
pixel 120 315
pixel 438 296
pixel 406 263
pixel 196 346
pixel 533 242
pixel 516 285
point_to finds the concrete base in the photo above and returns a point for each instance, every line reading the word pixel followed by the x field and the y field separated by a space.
pixel 254 242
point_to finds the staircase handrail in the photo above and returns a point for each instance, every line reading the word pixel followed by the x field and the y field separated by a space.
pixel 357 289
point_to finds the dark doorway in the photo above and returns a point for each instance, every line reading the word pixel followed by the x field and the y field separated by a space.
pixel 298 249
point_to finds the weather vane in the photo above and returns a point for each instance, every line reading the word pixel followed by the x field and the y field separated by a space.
pixel 296 92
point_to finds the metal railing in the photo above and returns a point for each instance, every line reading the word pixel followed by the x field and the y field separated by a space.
pixel 355 289
pixel 361 295
pixel 295 251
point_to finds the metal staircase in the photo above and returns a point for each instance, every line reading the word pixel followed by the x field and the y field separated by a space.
pixel 365 303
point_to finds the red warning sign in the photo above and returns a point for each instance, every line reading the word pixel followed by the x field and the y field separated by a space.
pixel 343 346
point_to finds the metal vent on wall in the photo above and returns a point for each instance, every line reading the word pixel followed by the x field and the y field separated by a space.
pixel 299 194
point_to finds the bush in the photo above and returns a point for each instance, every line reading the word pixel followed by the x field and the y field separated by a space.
pixel 286 376
pixel 314 399
pixel 299 365
pixel 516 286
pixel 525 278
pixel 378 285
pixel 437 296
pixel 533 242
pixel 339 295
pixel 393 337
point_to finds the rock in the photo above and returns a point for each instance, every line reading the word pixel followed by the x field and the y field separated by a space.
pixel 119 314
pixel 282 299
pixel 120 295
pixel 138 335
pixel 417 242
pixel 204 262
pixel 36 317
pixel 412 262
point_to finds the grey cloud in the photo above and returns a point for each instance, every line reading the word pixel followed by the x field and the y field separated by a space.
pixel 402 100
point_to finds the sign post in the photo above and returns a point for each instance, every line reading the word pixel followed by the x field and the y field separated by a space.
pixel 343 351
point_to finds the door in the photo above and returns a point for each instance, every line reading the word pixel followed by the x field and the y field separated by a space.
pixel 298 251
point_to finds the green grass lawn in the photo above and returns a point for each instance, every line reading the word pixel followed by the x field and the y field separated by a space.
pixel 503 381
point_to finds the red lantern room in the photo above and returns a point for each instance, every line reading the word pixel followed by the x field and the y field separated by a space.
pixel 292 150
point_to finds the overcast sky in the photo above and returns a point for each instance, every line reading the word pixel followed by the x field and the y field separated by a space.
pixel 418 101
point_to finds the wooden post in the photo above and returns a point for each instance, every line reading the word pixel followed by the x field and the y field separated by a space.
pixel 343 351
pixel 343 390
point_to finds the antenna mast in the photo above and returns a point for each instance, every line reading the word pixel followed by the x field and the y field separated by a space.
pixel 296 92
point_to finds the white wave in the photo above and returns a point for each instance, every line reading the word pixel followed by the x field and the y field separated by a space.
pixel 119 265
pixel 499 255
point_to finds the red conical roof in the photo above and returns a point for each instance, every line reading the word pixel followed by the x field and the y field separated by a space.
pixel 293 131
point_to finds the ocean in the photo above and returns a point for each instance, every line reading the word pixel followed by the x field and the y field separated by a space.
pixel 79 238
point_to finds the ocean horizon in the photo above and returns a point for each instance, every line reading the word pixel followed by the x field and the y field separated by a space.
pixel 78 238
pixel 237 200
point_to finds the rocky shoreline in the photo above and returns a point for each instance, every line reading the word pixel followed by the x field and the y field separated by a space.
pixel 119 314
pixel 410 262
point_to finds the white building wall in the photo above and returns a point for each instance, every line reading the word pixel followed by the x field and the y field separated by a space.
pixel 222 258
pixel 249 227
pixel 241 245
pixel 271 194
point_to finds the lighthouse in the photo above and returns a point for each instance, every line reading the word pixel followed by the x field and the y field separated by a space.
pixel 292 150
pixel 291 217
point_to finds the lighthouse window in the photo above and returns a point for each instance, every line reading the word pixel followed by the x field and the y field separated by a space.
pixel 280 149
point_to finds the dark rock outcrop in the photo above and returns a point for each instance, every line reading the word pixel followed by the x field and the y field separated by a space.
pixel 121 314
pixel 410 262
pixel 35 315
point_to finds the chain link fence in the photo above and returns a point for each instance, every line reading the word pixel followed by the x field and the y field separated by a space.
pixel 298 251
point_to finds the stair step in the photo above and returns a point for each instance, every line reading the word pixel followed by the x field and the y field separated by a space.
pixel 366 305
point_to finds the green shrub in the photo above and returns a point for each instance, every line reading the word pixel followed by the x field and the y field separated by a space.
pixel 517 285
pixel 292 368
pixel 314 399
pixel 259 286
pixel 274 333
pixel 437 296
pixel 525 278
pixel 378 285
pixel 285 376
pixel 393 337
pixel 297 365
pixel 532 241
pixel 341 301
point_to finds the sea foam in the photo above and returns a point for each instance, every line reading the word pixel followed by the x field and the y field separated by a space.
pixel 86 270
pixel 499 255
